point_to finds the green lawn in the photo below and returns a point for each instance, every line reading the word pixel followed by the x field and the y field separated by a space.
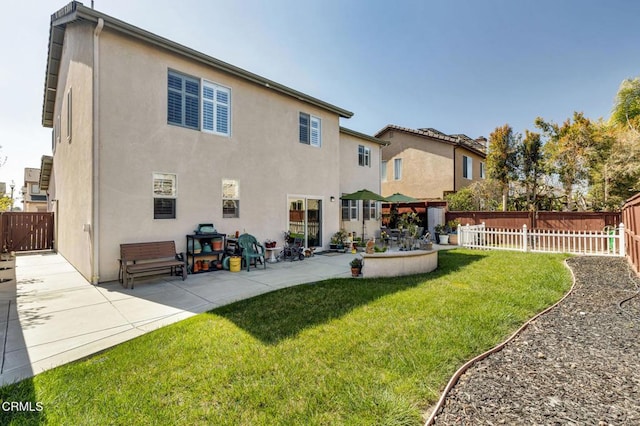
pixel 342 351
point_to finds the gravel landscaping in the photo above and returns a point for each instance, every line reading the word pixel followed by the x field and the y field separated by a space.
pixel 576 364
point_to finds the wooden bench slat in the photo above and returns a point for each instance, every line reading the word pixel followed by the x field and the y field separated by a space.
pixel 148 257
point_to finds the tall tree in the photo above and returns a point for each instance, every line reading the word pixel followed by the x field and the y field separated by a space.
pixel 530 159
pixel 626 110
pixel 568 151
pixel 502 159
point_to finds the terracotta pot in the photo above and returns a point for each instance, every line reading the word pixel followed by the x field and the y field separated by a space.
pixel 355 272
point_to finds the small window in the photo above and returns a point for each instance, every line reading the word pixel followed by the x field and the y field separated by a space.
pixel 370 209
pixel 482 171
pixel 364 156
pixel 35 188
pixel 349 210
pixel 397 169
pixel 230 198
pixel 467 167
pixel 383 171
pixel 183 100
pixel 164 196
pixel 69 116
pixel 310 130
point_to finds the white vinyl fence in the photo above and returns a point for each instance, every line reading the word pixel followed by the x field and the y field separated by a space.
pixel 595 243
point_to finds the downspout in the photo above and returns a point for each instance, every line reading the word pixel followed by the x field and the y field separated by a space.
pixel 95 169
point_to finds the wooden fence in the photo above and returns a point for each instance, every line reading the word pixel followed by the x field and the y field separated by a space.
pixel 23 231
pixel 631 219
pixel 568 221
pixel 609 242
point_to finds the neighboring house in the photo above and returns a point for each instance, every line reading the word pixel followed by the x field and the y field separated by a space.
pixel 360 157
pixel 34 199
pixel 151 138
pixel 428 164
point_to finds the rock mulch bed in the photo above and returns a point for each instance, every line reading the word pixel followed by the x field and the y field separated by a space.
pixel 577 364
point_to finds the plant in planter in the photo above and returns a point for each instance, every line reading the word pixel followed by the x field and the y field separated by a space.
pixel 356 266
pixel 442 234
pixel 338 240
pixel 452 230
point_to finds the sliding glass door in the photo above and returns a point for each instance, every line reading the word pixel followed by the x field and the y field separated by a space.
pixel 305 220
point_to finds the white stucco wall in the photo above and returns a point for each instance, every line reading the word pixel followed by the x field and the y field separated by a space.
pixel 263 153
pixel 72 157
pixel 354 178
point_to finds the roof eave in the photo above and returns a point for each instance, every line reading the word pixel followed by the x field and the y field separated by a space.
pixel 364 136
pixel 77 11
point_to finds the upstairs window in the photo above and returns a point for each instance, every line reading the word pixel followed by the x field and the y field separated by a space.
pixel 383 171
pixel 216 114
pixel 482 171
pixel 183 106
pixel 397 169
pixel 310 129
pixel 364 156
pixel 467 167
pixel 164 196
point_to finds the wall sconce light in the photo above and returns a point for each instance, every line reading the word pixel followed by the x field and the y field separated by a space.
pixel 332 198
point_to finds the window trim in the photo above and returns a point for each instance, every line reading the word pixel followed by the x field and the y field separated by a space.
pixel 69 115
pixel 397 171
pixel 159 196
pixel 364 156
pixel 183 98
pixel 311 136
pixel 351 209
pixel 368 207
pixel 467 167
pixel 216 87
pixel 235 199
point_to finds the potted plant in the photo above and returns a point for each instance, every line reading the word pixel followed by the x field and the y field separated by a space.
pixel 356 266
pixel 452 230
pixel 442 236
pixel 338 240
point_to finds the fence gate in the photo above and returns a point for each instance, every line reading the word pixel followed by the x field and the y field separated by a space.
pixel 23 231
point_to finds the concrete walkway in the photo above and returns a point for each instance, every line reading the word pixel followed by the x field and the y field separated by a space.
pixel 52 315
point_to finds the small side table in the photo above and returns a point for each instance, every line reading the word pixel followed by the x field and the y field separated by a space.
pixel 271 254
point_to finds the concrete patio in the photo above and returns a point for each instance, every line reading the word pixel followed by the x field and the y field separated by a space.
pixel 51 315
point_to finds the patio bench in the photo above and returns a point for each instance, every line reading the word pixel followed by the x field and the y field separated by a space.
pixel 149 258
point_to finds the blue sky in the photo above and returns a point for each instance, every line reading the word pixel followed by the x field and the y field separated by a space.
pixel 460 66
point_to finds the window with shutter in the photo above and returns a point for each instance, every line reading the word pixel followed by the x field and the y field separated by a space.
pixel 310 129
pixel 183 100
pixel 216 108
pixel 164 195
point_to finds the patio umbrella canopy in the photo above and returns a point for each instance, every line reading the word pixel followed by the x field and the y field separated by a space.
pixel 363 195
pixel 401 198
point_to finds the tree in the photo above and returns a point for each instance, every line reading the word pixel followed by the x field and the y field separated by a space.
pixel 530 160
pixel 568 151
pixel 502 159
pixel 482 195
pixel 626 110
pixel 5 203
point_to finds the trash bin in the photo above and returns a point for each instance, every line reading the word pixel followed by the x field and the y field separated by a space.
pixel 235 263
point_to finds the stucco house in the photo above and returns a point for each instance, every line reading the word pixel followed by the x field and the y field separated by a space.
pixel 428 164
pixel 152 138
pixel 34 198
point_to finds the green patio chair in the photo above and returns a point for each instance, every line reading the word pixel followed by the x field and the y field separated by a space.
pixel 251 250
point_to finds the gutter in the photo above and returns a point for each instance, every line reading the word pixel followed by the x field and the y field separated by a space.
pixel 94 230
